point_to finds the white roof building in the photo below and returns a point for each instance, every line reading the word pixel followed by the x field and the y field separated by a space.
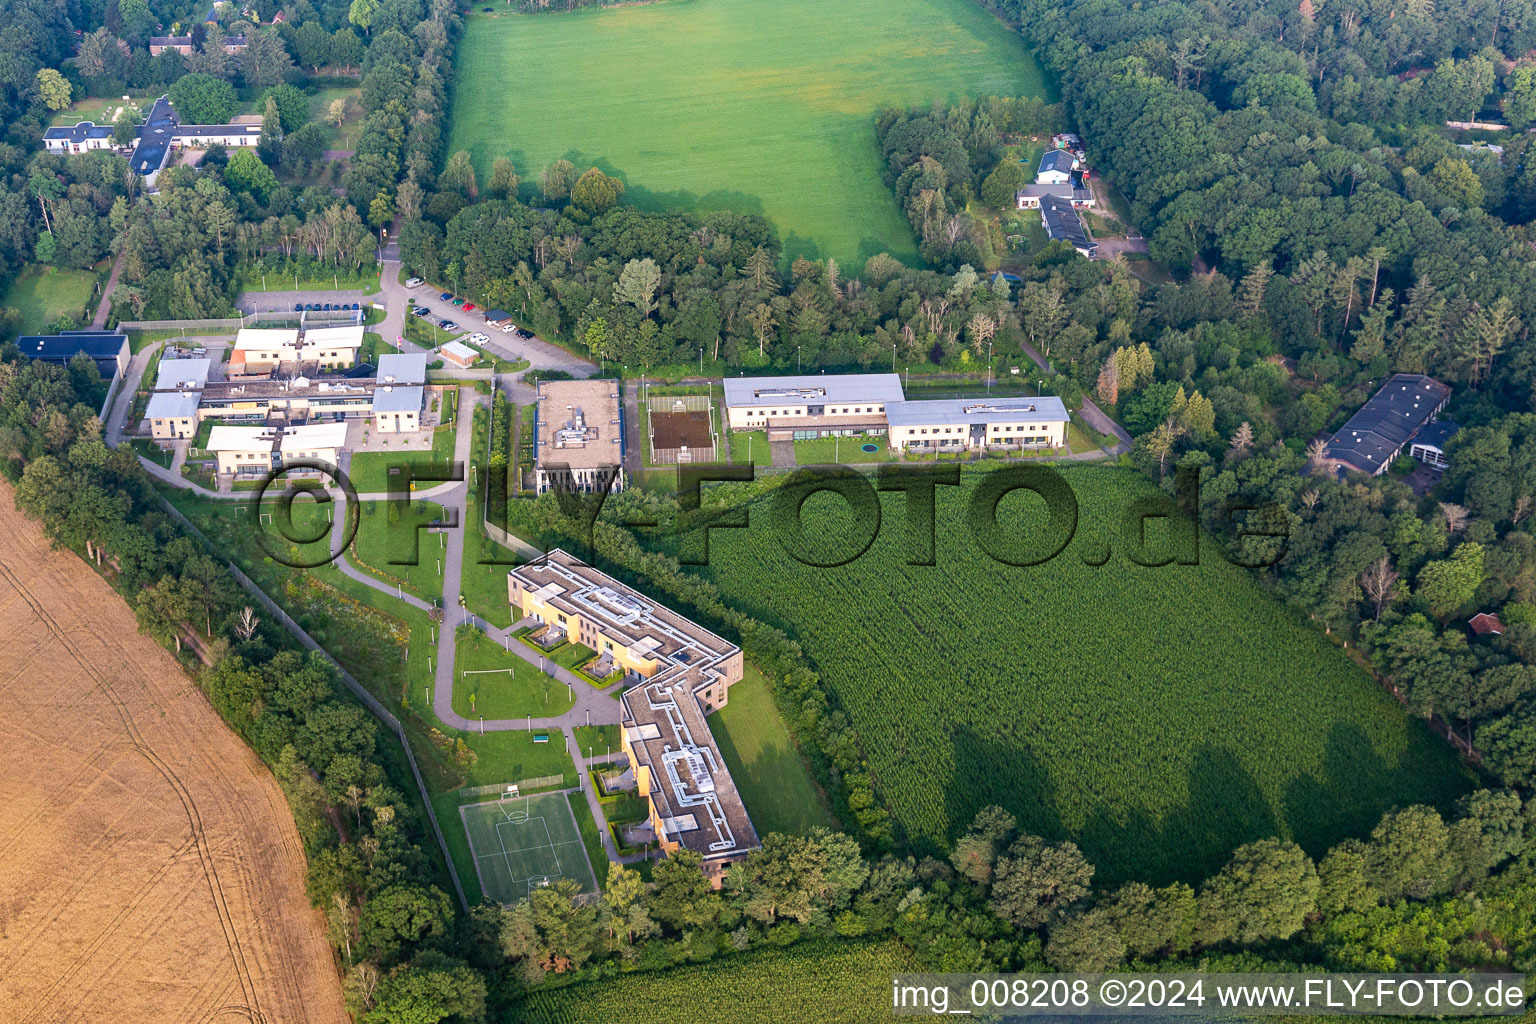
pixel 182 373
pixel 402 368
pixel 334 337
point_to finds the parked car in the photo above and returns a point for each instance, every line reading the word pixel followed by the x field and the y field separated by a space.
pixel 469 307
pixel 298 307
pixel 524 334
pixel 509 328
pixel 449 325
pixel 420 311
pixel 412 282
pixel 482 338
pixel 446 296
pixel 357 305
pixel 458 302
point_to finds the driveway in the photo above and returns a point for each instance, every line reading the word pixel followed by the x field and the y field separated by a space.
pixel 539 353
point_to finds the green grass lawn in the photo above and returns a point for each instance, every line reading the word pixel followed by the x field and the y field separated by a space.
pixel 763 107
pixel 597 740
pixel 388 545
pixel 483 579
pixel 751 446
pixel 370 470
pixel 591 838
pixel 1159 717
pixel 499 693
pixel 344 137
pixel 841 450
pixel 773 781
pixel 42 295
pixel 152 451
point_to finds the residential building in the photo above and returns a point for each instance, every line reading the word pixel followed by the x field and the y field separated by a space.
pixel 1486 624
pixel 1028 197
pixel 819 405
pixel 1062 224
pixel 281 401
pixel 107 349
pixel 1429 443
pixel 977 424
pixel 1056 167
pixel 459 354
pixel 578 432
pixel 259 351
pixel 1385 424
pixel 172 414
pixel 81 137
pixel 254 451
pixel 331 348
pixel 184 45
pixel 163 131
pixel 683 671
pixel 172 409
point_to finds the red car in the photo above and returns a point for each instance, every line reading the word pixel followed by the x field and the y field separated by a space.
pixel 469 307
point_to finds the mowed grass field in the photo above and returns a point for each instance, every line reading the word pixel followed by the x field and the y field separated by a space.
pixel 756 106
pixel 1160 717
pixel 42 295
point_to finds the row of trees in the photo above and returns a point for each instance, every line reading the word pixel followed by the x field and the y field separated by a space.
pixel 372 866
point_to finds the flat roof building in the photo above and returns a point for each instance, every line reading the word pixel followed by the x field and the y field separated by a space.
pixel 402 368
pixel 107 349
pixel 578 436
pixel 182 373
pixel 1388 420
pixel 459 354
pixel 684 672
pixel 978 423
pixel 811 405
pixel 254 451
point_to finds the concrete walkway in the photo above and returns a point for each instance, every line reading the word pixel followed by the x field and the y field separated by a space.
pixel 104 307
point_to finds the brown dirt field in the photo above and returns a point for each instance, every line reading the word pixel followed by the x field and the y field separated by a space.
pixel 149 866
pixel 675 429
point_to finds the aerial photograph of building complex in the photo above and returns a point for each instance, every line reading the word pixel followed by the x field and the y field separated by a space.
pixel 671 511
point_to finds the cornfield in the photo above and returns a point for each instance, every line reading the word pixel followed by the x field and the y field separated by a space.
pixel 1159 717
pixel 809 983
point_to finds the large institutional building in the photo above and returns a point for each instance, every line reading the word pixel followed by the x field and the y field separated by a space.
pixel 873 405
pixel 184 397
pixel 1403 410
pixel 683 671
pixel 161 132
pixel 578 429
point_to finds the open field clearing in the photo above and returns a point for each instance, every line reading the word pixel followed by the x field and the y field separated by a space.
pixel 1160 717
pixel 152 869
pixel 758 107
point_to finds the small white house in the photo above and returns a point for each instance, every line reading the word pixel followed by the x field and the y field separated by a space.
pixel 1056 168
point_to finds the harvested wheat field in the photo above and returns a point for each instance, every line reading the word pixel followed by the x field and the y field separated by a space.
pixel 149 867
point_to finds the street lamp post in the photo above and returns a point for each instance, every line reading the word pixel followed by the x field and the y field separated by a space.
pixel 797 359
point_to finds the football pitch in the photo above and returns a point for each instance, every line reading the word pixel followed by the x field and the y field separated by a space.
pixel 521 843
pixel 753 106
